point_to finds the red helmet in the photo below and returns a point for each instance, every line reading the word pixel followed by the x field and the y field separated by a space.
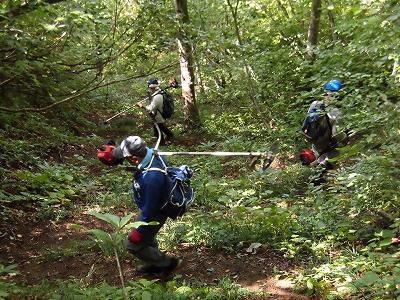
pixel 307 156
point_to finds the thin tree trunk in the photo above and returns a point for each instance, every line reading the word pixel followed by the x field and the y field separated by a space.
pixel 313 29
pixel 199 78
pixel 395 67
pixel 247 68
pixel 191 112
pixel 290 2
pixel 331 19
pixel 283 8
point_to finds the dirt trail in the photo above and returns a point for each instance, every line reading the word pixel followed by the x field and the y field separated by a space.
pixel 26 243
pixel 30 244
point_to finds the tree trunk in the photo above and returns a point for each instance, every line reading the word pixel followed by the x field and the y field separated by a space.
pixel 191 112
pixel 395 66
pixel 247 67
pixel 198 77
pixel 313 30
pixel 283 9
pixel 331 19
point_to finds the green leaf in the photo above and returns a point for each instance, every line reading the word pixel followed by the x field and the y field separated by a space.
pixel 385 242
pixel 146 295
pixel 145 282
pixel 113 219
pixel 68 177
pixel 183 290
pixel 8 269
pixel 139 223
pixel 109 218
pixel 101 235
pixel 369 278
pixel 50 27
pixel 125 220
pixel 3 294
pixel 310 284
pixel 385 233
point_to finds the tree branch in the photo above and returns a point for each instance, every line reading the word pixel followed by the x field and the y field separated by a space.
pixel 26 7
pixel 83 92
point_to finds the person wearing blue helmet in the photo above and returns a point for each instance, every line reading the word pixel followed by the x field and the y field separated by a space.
pixel 321 125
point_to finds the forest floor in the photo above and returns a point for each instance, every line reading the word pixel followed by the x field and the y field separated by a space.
pixel 32 246
pixel 36 246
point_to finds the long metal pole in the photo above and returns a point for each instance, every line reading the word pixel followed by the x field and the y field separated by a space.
pixel 137 103
pixel 216 153
pixel 268 154
pixel 120 113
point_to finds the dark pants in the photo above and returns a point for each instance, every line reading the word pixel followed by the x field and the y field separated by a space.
pixel 165 132
pixel 147 250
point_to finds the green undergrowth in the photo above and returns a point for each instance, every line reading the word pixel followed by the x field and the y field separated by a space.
pixel 72 249
pixel 344 231
pixel 141 289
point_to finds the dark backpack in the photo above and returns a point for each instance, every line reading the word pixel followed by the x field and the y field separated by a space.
pixel 168 105
pixel 180 192
pixel 317 126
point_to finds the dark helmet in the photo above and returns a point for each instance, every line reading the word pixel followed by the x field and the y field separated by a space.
pixel 334 85
pixel 152 83
pixel 131 146
pixel 307 156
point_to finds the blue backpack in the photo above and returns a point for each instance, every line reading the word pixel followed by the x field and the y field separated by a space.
pixel 180 192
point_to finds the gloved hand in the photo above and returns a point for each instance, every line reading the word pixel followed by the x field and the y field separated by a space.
pixel 135 236
pixel 151 113
pixel 141 104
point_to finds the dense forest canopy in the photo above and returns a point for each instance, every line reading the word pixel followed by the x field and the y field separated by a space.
pixel 248 71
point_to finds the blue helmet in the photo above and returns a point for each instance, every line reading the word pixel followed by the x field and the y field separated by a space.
pixel 334 85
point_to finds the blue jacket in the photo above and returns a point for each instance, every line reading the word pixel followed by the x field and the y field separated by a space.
pixel 150 190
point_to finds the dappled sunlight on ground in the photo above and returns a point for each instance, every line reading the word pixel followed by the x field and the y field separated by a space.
pixel 31 246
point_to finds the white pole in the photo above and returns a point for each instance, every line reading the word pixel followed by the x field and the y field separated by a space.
pixel 216 153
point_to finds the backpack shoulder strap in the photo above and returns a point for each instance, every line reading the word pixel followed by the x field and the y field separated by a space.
pixel 162 93
pixel 154 168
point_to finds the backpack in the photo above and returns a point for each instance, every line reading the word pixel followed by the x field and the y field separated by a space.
pixel 317 126
pixel 168 105
pixel 180 192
